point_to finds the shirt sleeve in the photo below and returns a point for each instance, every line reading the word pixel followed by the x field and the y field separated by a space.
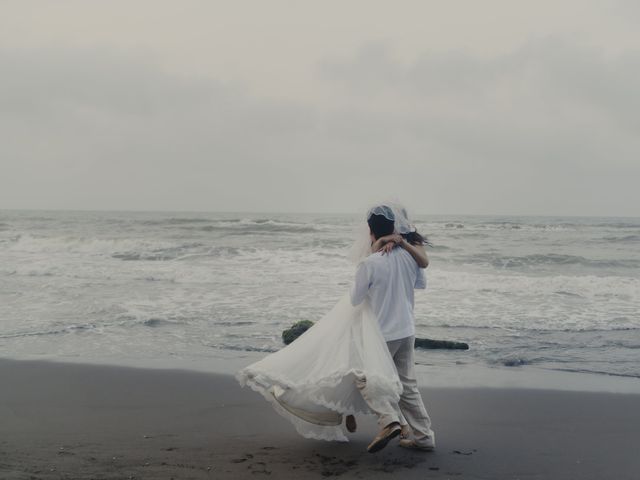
pixel 361 285
pixel 421 279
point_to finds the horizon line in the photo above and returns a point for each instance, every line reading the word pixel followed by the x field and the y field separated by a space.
pixel 266 212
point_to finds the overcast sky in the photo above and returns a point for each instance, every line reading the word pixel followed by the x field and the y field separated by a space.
pixel 492 107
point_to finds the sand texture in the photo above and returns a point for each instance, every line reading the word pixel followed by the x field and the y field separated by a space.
pixel 72 421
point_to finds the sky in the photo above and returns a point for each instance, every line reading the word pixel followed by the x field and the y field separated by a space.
pixel 458 107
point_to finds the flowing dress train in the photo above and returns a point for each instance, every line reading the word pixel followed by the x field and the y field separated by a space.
pixel 312 381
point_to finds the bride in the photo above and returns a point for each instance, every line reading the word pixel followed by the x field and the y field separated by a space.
pixel 316 380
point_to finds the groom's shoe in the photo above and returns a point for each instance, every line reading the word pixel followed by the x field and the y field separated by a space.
pixel 426 444
pixel 386 434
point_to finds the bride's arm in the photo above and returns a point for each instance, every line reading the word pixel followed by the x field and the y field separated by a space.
pixel 418 252
pixel 382 241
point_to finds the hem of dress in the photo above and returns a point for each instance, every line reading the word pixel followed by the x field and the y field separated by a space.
pixel 263 383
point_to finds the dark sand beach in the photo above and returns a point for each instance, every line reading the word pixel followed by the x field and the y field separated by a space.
pixel 68 421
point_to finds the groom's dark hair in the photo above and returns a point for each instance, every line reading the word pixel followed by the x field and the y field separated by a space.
pixel 380 225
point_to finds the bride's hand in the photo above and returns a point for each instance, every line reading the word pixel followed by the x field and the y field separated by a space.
pixel 395 238
pixel 387 243
pixel 387 247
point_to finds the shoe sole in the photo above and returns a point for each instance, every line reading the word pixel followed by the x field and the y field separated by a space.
pixel 417 447
pixel 380 444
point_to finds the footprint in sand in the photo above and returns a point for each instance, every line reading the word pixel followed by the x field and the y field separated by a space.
pixel 259 468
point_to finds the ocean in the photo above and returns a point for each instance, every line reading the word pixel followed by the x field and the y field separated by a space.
pixel 553 293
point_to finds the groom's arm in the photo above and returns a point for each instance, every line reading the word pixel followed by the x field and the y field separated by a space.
pixel 361 285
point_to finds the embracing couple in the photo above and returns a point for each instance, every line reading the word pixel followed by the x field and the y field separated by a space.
pixel 359 358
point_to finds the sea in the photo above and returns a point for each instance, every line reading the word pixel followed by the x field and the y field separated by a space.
pixel 546 293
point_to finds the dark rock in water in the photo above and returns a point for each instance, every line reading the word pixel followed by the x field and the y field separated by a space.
pixel 297 329
pixel 514 362
pixel 290 334
pixel 445 344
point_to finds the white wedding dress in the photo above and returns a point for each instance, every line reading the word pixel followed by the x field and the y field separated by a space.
pixel 312 381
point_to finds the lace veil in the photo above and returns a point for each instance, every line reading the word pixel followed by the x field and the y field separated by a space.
pixel 393 211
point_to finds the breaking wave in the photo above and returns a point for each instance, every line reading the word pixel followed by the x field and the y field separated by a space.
pixel 549 259
pixel 175 221
pixel 597 372
pixel 127 249
pixel 57 331
pixel 246 348
pixel 180 252
pixel 237 225
pixel 623 239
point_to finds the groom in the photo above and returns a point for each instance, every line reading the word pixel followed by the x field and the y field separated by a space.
pixel 388 281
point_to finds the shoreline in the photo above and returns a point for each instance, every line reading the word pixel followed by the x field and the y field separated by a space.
pixel 72 420
pixel 454 376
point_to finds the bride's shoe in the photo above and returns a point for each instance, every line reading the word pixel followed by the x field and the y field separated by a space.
pixel 405 431
pixel 350 423
pixel 386 434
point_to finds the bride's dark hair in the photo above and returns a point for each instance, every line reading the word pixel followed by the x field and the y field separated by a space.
pixel 414 238
pixel 380 225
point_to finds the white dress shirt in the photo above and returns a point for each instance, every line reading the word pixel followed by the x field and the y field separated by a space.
pixel 388 281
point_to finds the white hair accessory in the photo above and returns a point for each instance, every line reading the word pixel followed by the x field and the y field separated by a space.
pixel 396 213
pixel 393 211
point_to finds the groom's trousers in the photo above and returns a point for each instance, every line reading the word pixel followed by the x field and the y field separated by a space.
pixel 410 409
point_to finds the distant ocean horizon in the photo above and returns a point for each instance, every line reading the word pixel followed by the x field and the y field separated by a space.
pixel 307 212
pixel 557 293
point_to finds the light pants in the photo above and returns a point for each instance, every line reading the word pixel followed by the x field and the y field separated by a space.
pixel 410 409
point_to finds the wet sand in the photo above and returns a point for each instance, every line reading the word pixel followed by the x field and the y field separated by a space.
pixel 73 421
